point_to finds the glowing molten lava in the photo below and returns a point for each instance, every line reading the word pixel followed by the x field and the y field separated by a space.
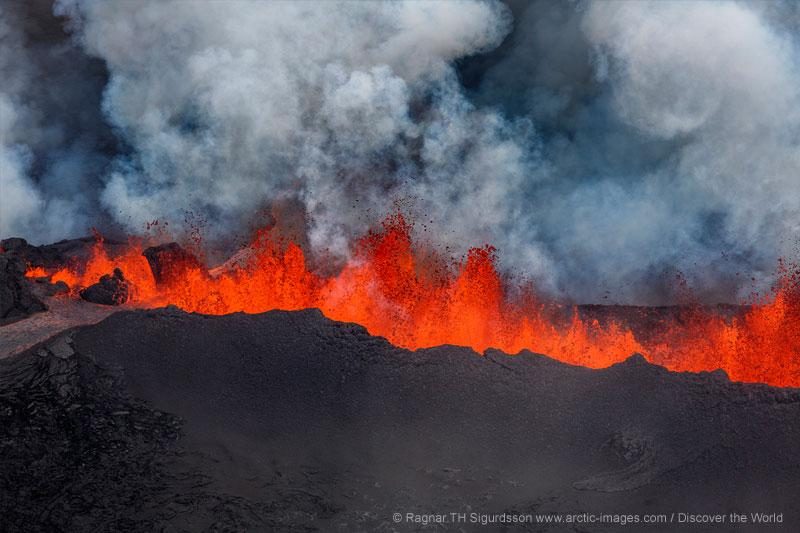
pixel 35 272
pixel 416 299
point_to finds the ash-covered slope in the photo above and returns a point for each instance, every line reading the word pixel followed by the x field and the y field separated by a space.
pixel 161 419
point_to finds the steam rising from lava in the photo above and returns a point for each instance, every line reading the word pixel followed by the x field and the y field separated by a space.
pixel 597 145
pixel 416 298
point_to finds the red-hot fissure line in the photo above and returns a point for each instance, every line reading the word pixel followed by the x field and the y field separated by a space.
pixel 417 300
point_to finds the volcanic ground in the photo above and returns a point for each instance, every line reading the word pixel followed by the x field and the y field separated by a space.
pixel 162 420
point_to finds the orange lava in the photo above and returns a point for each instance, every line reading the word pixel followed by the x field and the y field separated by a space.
pixel 35 272
pixel 416 299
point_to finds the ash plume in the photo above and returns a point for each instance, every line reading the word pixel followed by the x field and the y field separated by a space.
pixel 601 146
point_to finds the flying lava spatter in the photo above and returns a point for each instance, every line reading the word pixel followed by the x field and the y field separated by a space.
pixel 417 299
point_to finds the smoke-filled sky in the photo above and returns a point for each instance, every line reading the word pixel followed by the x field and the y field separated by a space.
pixel 603 147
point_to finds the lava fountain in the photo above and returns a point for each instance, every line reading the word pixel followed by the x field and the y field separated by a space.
pixel 415 298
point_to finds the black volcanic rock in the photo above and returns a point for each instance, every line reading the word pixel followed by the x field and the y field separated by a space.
pixel 56 255
pixel 112 289
pixel 293 422
pixel 76 452
pixel 169 261
pixel 13 244
pixel 17 299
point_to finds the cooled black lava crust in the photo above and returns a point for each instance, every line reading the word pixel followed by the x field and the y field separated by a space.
pixel 167 421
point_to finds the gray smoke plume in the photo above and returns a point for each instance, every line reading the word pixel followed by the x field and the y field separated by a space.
pixel 54 142
pixel 602 147
pixel 672 130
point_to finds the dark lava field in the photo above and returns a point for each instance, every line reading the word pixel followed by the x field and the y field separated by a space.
pixel 160 420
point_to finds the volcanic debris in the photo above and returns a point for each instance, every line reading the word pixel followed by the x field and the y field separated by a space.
pixel 170 261
pixel 112 289
pixel 59 254
pixel 76 452
pixel 17 299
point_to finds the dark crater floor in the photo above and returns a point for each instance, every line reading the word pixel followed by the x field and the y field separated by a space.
pixel 286 421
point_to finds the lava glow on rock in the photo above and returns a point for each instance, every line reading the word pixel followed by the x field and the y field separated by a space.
pixel 417 299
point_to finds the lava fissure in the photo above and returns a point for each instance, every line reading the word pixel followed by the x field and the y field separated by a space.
pixel 419 300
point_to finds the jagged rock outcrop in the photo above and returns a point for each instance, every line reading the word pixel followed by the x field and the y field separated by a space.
pixel 77 453
pixel 17 298
pixel 111 289
pixel 59 254
pixel 169 262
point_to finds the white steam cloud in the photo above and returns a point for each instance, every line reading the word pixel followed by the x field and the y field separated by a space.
pixel 236 104
pixel 725 87
pixel 672 130
pixel 50 128
pixel 599 146
pixel 20 201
